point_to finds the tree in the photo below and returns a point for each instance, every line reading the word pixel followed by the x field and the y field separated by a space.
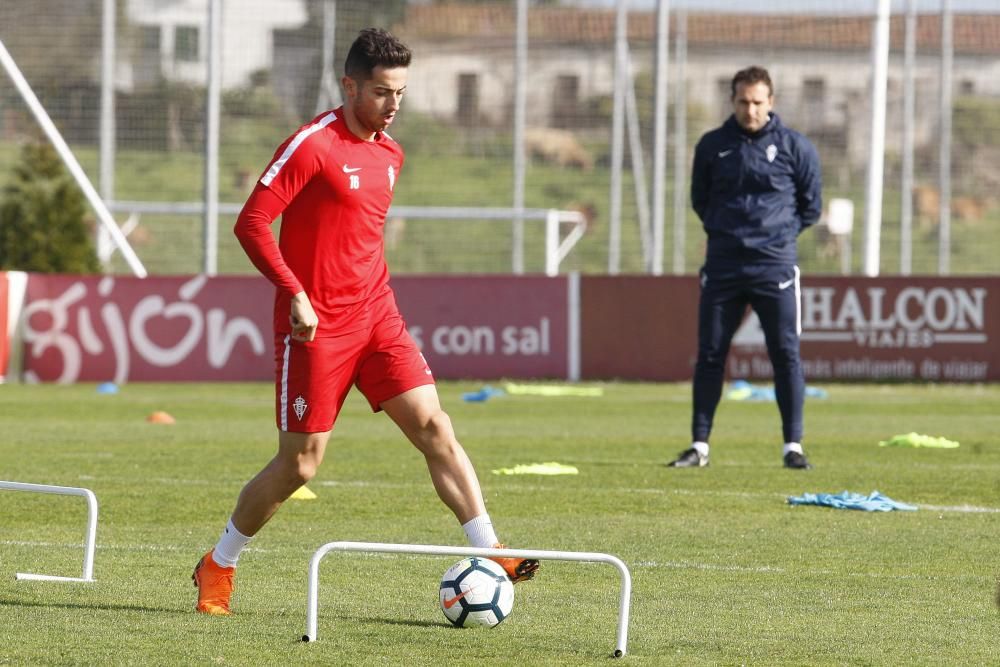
pixel 42 213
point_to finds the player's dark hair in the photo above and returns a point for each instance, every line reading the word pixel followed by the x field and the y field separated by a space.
pixel 373 48
pixel 750 76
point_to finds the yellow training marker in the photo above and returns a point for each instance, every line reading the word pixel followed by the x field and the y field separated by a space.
pixel 303 494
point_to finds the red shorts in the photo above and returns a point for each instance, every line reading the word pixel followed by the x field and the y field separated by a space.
pixel 314 378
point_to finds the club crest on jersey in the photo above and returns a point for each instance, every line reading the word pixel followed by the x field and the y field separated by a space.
pixel 299 405
pixel 392 177
pixel 772 152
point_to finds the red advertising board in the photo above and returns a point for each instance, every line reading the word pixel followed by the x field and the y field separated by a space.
pixel 638 327
pixel 630 327
pixel 198 328
pixel 100 328
pixel 906 329
pixel 488 326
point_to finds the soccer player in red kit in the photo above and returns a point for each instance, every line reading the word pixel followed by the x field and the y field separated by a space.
pixel 336 323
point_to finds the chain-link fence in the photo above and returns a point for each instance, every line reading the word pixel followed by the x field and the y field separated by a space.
pixel 281 64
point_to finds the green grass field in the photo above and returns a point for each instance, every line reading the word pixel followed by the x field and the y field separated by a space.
pixel 724 570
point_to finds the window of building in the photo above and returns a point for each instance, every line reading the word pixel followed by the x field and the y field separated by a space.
pixel 149 38
pixel 566 101
pixel 148 59
pixel 186 44
pixel 814 102
pixel 814 89
pixel 468 98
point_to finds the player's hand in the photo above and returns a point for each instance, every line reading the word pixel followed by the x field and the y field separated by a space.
pixel 303 318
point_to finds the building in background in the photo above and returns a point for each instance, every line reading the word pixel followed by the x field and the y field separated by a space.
pixel 820 65
pixel 466 64
pixel 171 42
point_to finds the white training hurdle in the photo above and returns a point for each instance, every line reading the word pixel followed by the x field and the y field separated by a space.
pixel 88 555
pixel 433 550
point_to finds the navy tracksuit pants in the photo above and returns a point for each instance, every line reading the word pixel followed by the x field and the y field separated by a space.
pixel 772 290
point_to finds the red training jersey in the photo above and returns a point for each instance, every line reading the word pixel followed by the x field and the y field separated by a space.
pixel 333 191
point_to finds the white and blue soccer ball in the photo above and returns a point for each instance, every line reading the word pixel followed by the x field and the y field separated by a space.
pixel 476 591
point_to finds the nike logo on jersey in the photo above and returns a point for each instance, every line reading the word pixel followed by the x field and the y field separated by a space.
pixel 785 284
pixel 725 153
pixel 351 170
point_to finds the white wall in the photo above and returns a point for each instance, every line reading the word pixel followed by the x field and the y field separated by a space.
pixel 246 34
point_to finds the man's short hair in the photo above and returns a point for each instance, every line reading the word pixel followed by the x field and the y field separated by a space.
pixel 750 76
pixel 373 48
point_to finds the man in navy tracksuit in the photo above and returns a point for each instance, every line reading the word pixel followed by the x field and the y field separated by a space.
pixel 755 185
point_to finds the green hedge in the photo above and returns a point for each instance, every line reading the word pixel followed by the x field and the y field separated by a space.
pixel 42 217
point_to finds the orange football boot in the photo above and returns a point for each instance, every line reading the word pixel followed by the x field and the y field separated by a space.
pixel 214 584
pixel 518 569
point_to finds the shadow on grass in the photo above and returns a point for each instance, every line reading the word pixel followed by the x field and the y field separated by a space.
pixel 388 621
pixel 396 621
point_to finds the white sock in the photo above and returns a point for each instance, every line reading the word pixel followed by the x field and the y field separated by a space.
pixel 791 447
pixel 701 447
pixel 479 532
pixel 230 544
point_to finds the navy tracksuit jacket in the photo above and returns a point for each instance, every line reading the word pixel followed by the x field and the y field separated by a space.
pixel 754 194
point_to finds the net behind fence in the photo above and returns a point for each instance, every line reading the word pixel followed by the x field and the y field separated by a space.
pixel 282 60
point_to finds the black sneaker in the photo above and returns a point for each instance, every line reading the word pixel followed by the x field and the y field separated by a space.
pixel 797 461
pixel 689 458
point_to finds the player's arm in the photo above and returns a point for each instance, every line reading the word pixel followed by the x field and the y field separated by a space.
pixel 808 184
pixel 701 180
pixel 253 229
pixel 294 164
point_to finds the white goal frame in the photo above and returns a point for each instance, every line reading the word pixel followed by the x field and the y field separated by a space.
pixel 557 243
pixel 312 612
pixel 88 554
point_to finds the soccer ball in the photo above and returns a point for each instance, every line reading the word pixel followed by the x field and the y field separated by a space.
pixel 476 591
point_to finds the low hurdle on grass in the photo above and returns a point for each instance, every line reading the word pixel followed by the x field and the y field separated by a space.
pixel 88 555
pixel 312 612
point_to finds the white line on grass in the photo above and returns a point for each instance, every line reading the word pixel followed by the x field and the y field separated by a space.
pixel 112 547
pixel 965 509
pixel 767 569
pixel 763 569
pixel 961 509
pixel 364 483
pixel 159 480
pixel 673 565
pixel 969 509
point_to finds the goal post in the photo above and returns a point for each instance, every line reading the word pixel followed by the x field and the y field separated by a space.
pixel 436 550
pixel 91 537
pixel 558 242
